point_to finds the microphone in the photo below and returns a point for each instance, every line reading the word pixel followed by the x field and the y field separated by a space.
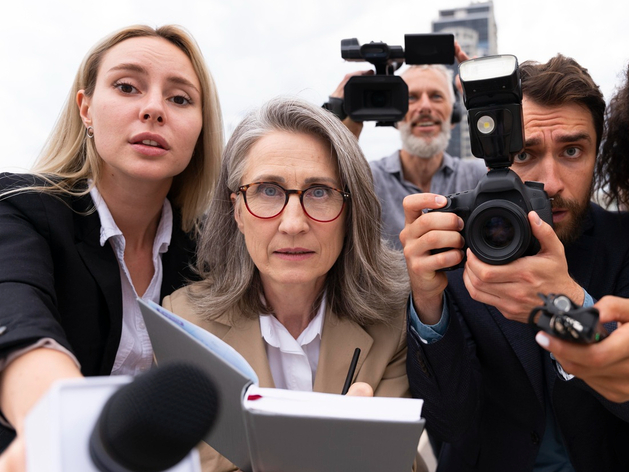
pixel 151 424
pixel 120 424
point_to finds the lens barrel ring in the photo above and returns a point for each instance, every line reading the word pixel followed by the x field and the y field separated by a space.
pixel 498 232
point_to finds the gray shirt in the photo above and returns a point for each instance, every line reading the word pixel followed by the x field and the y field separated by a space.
pixel 454 175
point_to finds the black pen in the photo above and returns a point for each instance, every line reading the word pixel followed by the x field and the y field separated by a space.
pixel 352 370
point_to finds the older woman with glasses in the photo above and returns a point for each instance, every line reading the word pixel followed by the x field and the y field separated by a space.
pixel 294 273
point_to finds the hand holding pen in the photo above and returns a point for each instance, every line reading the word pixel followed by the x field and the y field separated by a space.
pixel 357 389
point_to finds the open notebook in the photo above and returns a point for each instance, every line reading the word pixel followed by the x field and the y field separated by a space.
pixel 267 429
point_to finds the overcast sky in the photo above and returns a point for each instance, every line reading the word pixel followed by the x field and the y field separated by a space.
pixel 259 49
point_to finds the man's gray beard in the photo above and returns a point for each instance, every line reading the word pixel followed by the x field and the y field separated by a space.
pixel 421 147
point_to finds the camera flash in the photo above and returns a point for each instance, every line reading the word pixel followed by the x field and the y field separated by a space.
pixel 486 124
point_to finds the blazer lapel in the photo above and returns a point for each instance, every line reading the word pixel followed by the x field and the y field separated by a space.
pixel 339 338
pixel 521 338
pixel 246 338
pixel 102 264
pixel 583 254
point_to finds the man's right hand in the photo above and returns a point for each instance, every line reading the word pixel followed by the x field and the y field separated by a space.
pixel 423 233
pixel 340 89
pixel 354 126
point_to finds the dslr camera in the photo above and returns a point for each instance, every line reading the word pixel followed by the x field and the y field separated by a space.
pixel 495 212
pixel 383 97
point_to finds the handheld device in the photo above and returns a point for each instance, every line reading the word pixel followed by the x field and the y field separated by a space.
pixel 562 318
pixel 383 97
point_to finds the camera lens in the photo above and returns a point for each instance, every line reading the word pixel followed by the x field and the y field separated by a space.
pixel 378 99
pixel 498 232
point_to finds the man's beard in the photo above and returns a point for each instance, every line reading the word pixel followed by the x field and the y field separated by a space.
pixel 422 147
pixel 570 231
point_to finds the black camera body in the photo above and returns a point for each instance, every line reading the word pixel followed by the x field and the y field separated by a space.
pixel 495 212
pixel 383 97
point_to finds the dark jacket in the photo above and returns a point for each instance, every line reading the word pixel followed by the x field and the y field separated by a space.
pixel 484 382
pixel 57 281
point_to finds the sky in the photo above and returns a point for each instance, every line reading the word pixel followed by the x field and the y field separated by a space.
pixel 258 49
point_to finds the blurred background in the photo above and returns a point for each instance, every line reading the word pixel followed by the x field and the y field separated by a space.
pixel 257 50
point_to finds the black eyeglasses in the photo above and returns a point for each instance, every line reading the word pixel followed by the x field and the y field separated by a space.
pixel 267 200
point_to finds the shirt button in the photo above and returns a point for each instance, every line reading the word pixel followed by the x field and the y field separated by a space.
pixel 534 438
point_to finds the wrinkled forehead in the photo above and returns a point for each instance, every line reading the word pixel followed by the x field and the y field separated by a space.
pixel 556 122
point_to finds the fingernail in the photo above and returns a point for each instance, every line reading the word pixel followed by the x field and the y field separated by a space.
pixel 460 224
pixel 440 200
pixel 537 220
pixel 542 340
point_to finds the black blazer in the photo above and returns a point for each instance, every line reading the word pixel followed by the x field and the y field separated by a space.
pixel 484 381
pixel 57 281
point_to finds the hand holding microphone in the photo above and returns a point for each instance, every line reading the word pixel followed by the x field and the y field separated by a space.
pixel 148 425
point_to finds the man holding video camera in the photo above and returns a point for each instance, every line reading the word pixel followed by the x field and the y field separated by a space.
pixel 422 164
pixel 492 394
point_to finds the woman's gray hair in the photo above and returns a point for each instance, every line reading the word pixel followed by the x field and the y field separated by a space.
pixel 368 283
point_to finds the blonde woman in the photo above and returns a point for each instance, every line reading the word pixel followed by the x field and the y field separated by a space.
pixel 108 214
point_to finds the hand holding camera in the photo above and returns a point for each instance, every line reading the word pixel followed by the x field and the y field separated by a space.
pixel 382 96
pixel 495 212
pixel 422 234
pixel 500 221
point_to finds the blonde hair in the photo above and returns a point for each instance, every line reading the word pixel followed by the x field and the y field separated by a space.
pixel 68 157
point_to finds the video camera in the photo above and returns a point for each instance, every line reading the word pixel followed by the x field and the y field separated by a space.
pixel 495 212
pixel 383 97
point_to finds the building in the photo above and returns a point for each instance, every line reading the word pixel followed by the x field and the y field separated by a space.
pixel 474 27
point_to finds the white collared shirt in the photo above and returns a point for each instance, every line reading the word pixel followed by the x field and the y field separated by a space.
pixel 293 362
pixel 135 353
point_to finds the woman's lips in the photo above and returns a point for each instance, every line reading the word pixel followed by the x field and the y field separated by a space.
pixel 294 254
pixel 149 144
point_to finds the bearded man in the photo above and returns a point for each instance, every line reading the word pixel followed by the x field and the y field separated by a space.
pixel 422 165
pixel 496 399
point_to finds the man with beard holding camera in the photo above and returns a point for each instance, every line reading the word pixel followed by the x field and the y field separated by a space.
pixel 422 165
pixel 497 399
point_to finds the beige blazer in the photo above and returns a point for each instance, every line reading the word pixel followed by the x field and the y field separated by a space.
pixel 382 362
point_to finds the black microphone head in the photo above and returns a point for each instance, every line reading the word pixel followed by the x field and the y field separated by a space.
pixel 152 423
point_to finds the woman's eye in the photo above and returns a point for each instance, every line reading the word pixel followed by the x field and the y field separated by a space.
pixel 125 88
pixel 319 192
pixel 268 190
pixel 181 100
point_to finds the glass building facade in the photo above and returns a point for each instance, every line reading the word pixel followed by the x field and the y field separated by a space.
pixel 474 27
